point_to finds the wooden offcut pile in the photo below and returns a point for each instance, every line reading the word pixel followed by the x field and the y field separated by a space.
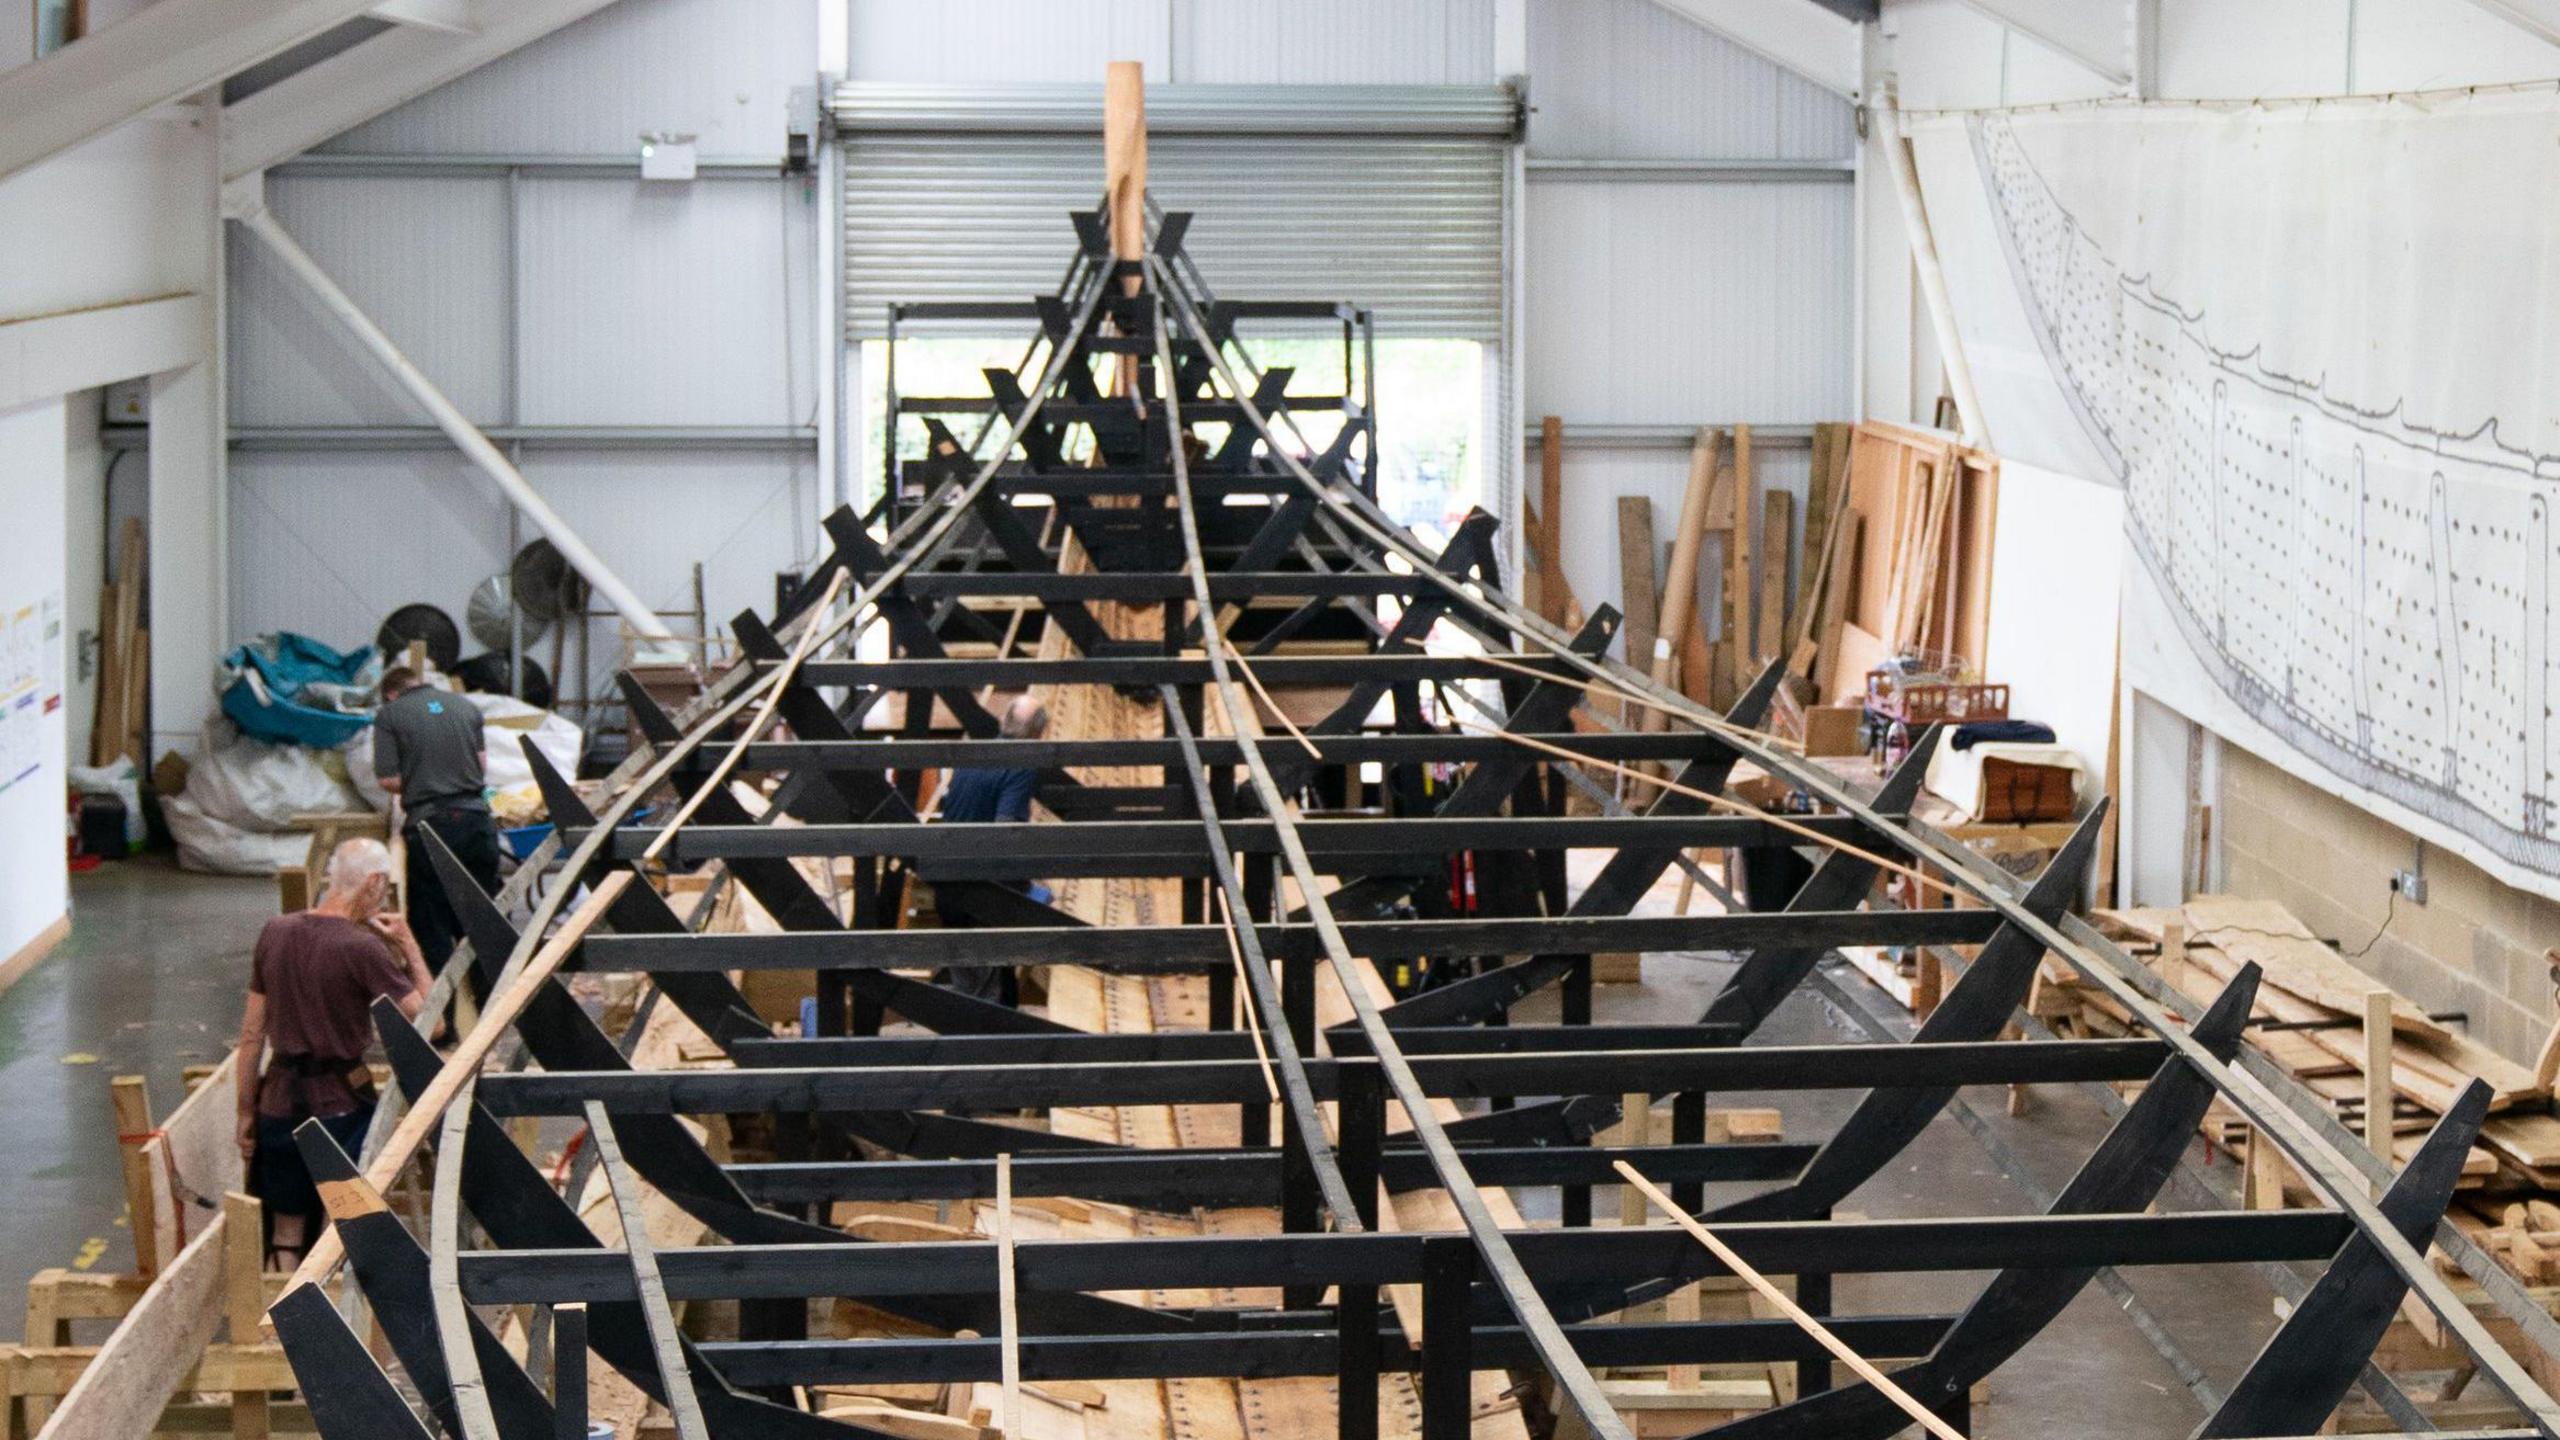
pixel 2309 1020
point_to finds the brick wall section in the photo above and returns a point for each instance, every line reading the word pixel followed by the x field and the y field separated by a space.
pixel 2476 946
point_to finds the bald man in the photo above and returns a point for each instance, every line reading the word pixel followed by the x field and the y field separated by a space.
pixel 312 985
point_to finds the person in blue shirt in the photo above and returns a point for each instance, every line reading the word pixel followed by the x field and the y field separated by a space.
pixel 980 796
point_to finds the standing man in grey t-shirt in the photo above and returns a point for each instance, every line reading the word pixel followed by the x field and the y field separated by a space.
pixel 427 751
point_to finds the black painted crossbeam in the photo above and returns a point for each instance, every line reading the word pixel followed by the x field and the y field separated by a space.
pixel 1831 1247
pixel 1417 749
pixel 1193 949
pixel 1187 1178
pixel 1137 841
pixel 867 1052
pixel 1257 1354
pixel 1233 1082
pixel 1276 671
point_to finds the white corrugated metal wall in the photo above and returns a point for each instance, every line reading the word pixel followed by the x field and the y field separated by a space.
pixel 1690 244
pixel 1299 42
pixel 648 345
pixel 1657 293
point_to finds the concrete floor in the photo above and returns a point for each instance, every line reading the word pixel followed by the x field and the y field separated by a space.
pixel 149 982
pixel 152 976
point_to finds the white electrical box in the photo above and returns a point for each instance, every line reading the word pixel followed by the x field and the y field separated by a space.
pixel 665 155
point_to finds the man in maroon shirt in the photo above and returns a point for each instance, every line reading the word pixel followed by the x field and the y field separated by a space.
pixel 311 991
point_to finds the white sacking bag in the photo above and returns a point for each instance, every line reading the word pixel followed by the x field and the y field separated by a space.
pixel 222 848
pixel 261 787
pixel 506 723
pixel 242 797
pixel 359 755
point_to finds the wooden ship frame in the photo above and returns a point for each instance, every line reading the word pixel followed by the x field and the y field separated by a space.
pixel 1305 1214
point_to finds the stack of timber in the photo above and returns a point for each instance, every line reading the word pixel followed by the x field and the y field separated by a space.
pixel 1732 542
pixel 1904 559
pixel 2311 1022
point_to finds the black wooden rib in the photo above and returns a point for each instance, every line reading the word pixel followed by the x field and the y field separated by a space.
pixel 349 1396
pixel 393 1272
pixel 867 797
pixel 711 1002
pixel 559 1033
pixel 518 1210
pixel 1975 1008
pixel 909 630
pixel 1622 881
pixel 1022 551
pixel 2120 1177
pixel 1490 781
pixel 2307 1365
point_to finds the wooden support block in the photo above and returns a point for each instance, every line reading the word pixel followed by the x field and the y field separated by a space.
pixel 2262 1174
pixel 1682 1304
pixel 1745 1124
pixel 132 1098
pixel 245 1302
pixel 1621 967
pixel 51 1372
pixel 293 889
pixel 1635 1127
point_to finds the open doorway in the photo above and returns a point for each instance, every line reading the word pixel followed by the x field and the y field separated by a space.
pixel 1433 462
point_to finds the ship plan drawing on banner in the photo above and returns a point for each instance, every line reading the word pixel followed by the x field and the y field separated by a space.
pixel 2364 569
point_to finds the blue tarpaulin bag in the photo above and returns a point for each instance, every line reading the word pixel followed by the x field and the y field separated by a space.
pixel 292 689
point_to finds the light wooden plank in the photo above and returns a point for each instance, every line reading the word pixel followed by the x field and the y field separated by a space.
pixel 1636 587
pixel 1685 637
pixel 1739 636
pixel 121 1394
pixel 1777 523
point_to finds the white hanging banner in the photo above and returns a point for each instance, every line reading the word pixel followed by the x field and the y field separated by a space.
pixel 2316 346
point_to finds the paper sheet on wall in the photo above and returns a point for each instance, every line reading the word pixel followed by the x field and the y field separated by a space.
pixel 22 708
pixel 2314 346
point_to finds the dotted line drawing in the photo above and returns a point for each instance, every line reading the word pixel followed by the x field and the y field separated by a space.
pixel 2374 591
